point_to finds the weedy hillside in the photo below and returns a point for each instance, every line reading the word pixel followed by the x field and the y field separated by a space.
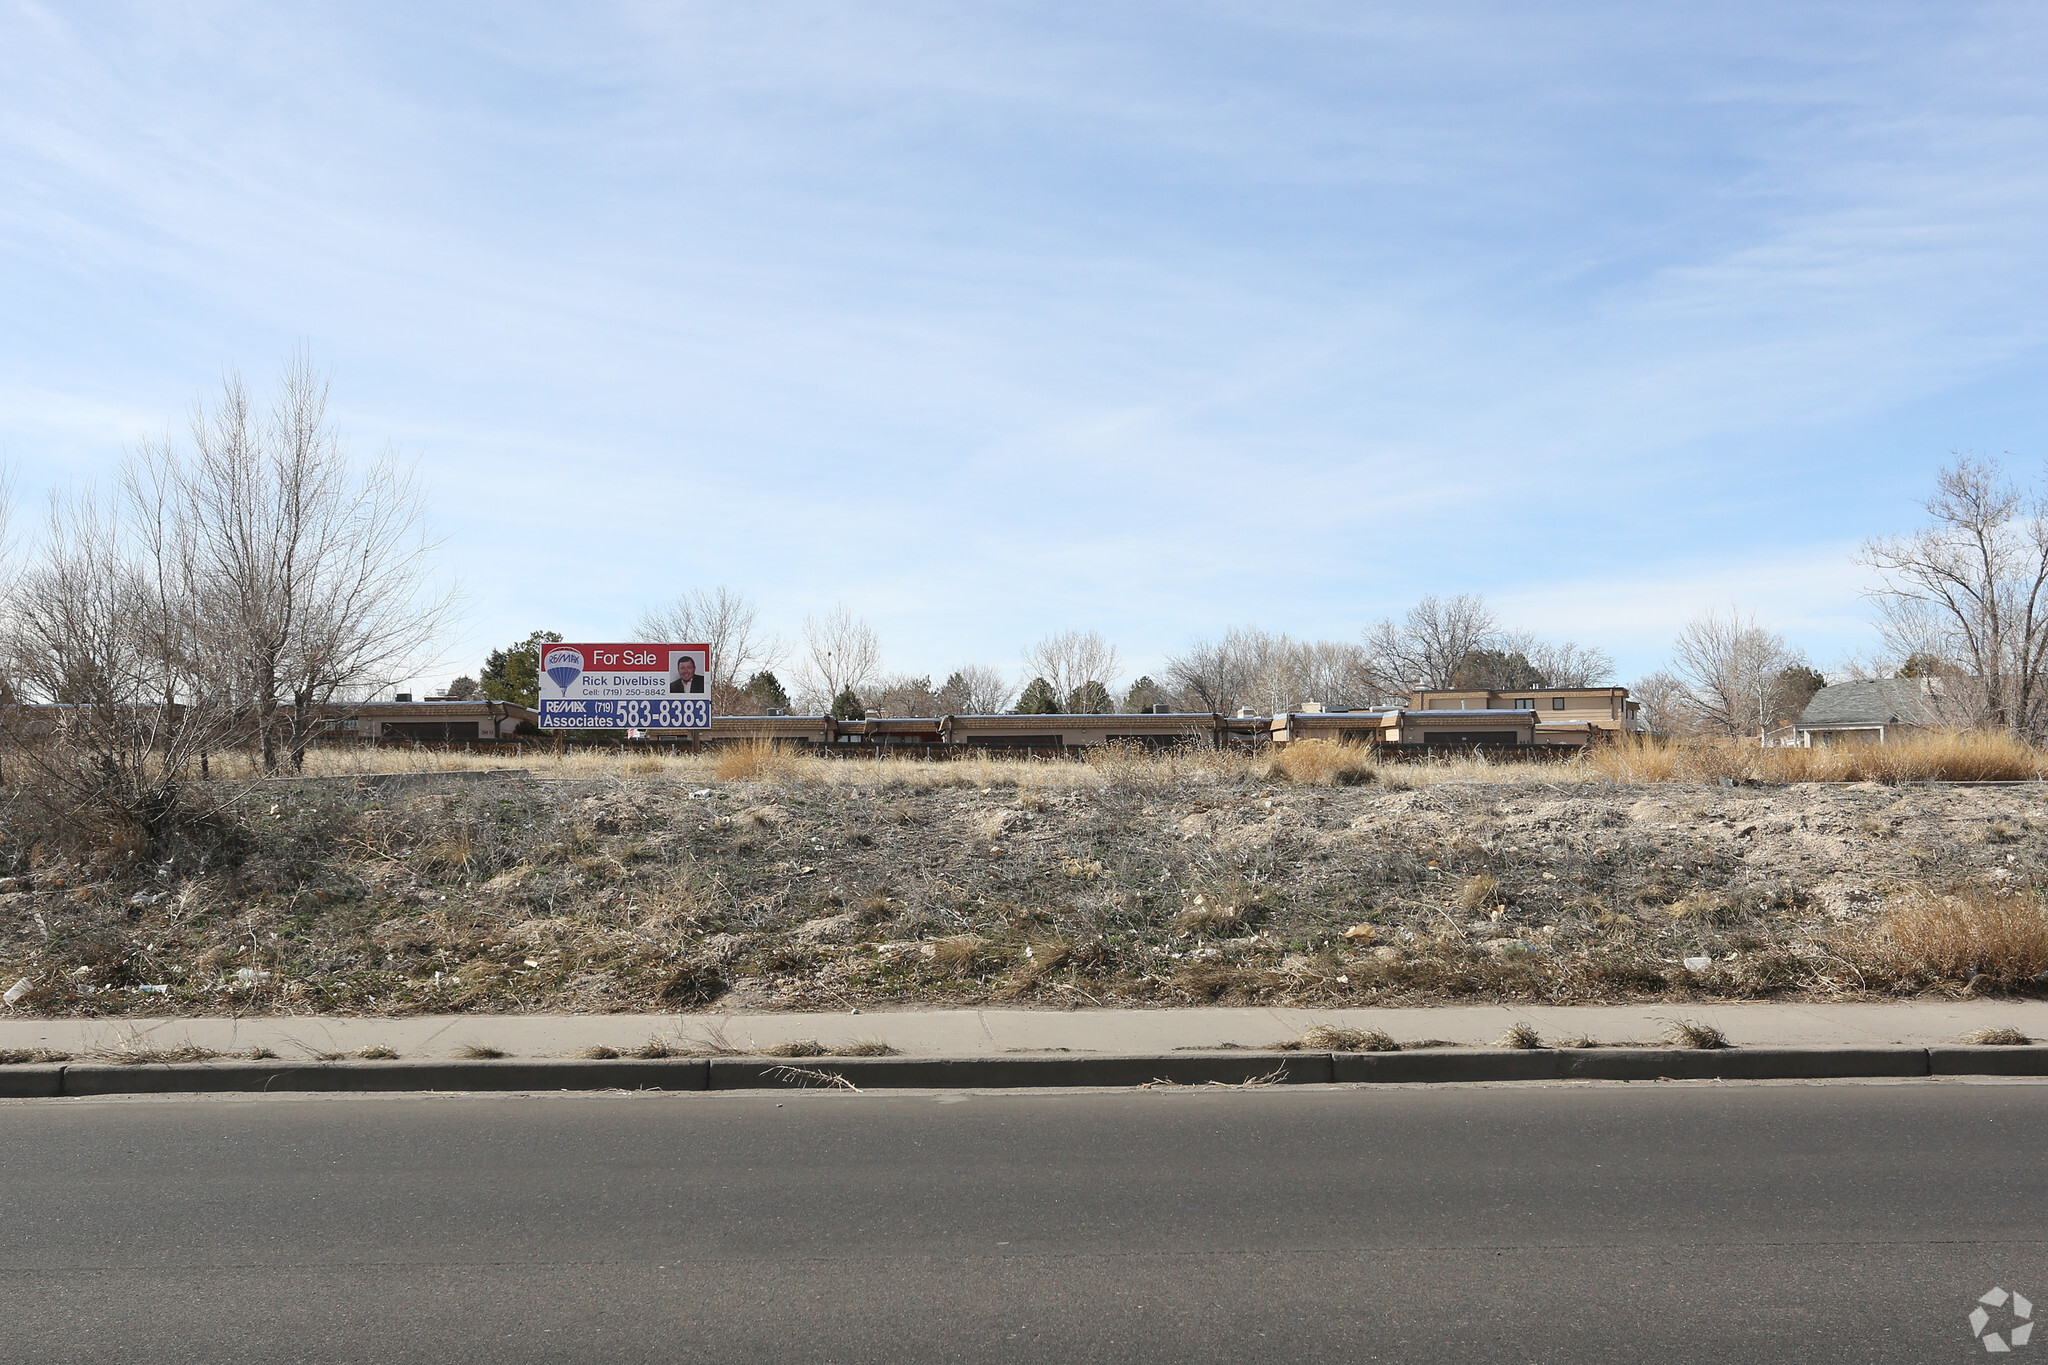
pixel 1321 879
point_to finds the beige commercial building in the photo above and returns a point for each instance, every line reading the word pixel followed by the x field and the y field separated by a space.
pixel 437 721
pixel 1474 718
pixel 991 732
pixel 1602 708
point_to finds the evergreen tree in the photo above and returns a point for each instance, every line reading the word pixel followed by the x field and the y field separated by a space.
pixel 1039 699
pixel 1143 695
pixel 463 688
pixel 1091 699
pixel 846 706
pixel 513 674
pixel 1791 690
pixel 1921 665
pixel 766 692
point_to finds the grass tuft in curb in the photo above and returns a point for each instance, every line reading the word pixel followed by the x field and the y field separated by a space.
pixel 1995 1037
pixel 1522 1037
pixel 1692 1033
pixel 1330 1038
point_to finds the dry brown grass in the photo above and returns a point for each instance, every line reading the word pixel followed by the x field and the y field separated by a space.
pixel 1955 756
pixel 29 1056
pixel 1942 756
pixel 959 953
pixel 795 1047
pixel 1963 935
pixel 1332 1038
pixel 155 1056
pixel 1479 891
pixel 758 760
pixel 653 1050
pixel 863 1047
pixel 1323 763
pixel 1212 918
pixel 479 1052
pixel 1522 1037
pixel 804 1077
pixel 1692 1033
pixel 1995 1037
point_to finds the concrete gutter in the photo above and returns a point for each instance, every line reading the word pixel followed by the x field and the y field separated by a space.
pixel 1233 1068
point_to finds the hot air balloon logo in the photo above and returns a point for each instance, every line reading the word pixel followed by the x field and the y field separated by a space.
pixel 564 666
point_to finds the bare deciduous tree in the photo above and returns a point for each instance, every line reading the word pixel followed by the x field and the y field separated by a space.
pixel 840 651
pixel 1667 707
pixel 1212 675
pixel 902 694
pixel 1728 667
pixel 1426 649
pixel 723 618
pixel 1069 659
pixel 307 575
pixel 977 690
pixel 1970 591
pixel 1570 664
pixel 1457 642
pixel 98 642
pixel 1252 667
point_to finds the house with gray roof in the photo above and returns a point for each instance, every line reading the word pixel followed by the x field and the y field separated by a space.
pixel 1867 712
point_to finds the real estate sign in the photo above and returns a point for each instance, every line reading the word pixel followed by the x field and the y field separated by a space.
pixel 621 687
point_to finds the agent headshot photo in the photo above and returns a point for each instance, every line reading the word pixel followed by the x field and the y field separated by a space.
pixel 687 678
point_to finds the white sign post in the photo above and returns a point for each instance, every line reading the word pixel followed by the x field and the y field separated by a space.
pixel 625 687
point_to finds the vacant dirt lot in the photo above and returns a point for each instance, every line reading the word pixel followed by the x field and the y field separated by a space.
pixel 626 893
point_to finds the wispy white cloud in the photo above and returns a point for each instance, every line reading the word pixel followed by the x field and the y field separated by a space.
pixel 994 320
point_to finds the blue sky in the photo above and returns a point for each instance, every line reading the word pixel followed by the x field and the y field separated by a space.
pixel 997 319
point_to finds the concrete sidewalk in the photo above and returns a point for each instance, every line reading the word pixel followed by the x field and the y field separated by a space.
pixel 985 1033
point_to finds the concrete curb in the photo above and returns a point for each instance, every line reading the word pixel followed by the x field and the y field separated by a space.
pixel 1235 1068
pixel 680 1073
pixel 35 1082
pixel 1013 1072
pixel 1988 1061
pixel 1740 1064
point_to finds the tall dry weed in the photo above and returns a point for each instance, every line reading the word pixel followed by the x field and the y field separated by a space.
pixel 1953 756
pixel 1999 934
pixel 759 760
pixel 1323 763
pixel 1936 755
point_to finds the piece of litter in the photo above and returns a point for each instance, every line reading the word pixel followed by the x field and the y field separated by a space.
pixel 16 991
pixel 249 975
pixel 701 791
pixel 531 963
pixel 154 990
pixel 1698 964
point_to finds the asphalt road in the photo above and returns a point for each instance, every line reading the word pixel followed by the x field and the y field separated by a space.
pixel 1724 1223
